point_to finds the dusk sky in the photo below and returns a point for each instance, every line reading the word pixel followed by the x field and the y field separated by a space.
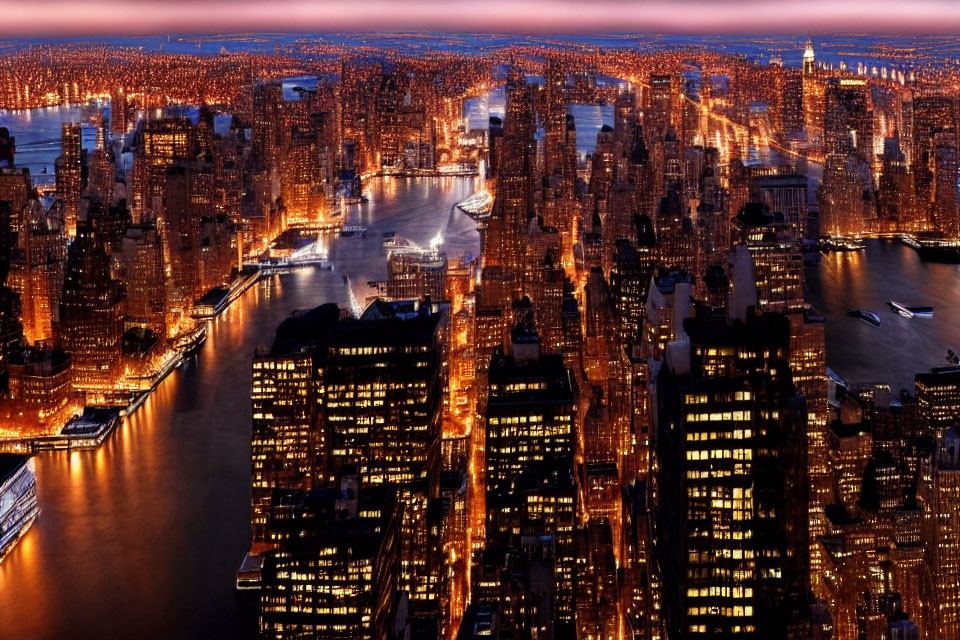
pixel 68 17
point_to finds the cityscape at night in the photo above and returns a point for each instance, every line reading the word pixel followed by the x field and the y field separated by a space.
pixel 532 320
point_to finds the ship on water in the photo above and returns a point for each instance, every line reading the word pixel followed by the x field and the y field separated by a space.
pixel 18 499
pixel 910 311
pixel 869 317
pixel 841 244
pixel 933 246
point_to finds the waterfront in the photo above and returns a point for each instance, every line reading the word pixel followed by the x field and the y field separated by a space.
pixel 899 348
pixel 142 537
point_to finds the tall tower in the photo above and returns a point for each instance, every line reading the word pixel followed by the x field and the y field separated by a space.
pixel 813 98
pixel 809 61
pixel 69 175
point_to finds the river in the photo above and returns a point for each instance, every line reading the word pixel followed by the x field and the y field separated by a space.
pixel 142 537
pixel 900 347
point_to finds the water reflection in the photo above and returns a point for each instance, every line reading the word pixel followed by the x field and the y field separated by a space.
pixel 142 538
pixel 899 347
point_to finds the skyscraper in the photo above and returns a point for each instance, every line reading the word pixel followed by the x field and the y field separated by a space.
pixel 69 169
pixel 91 316
pixel 364 394
pixel 333 571
pixel 733 511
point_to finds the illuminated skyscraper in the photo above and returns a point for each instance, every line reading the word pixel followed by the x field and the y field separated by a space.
pixel 813 99
pixel 37 271
pixel 934 126
pixel 161 143
pixel 16 188
pixel 360 393
pixel 658 118
pixel 188 199
pixel 513 206
pixel 416 274
pixel 39 396
pixel 848 118
pixel 287 447
pixel 69 181
pixel 554 119
pixel 941 497
pixel 91 316
pixel 333 571
pixel 629 280
pixel 786 195
pixel 732 535
pixel 530 441
pixel 775 247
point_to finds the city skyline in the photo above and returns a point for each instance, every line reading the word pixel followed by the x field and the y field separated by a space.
pixel 454 336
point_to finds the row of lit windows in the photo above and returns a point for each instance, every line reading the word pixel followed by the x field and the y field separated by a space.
pixel 718 454
pixel 703 398
pixel 736 434
pixel 739 416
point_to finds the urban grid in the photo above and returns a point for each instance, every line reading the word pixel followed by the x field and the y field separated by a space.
pixel 612 418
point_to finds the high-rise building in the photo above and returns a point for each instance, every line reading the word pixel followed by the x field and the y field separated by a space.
pixel 785 194
pixel 161 143
pixel 659 115
pixel 69 169
pixel 934 124
pixel 91 316
pixel 416 274
pixel 361 393
pixel 16 188
pixel 776 250
pixel 531 410
pixel 513 204
pixel 848 118
pixel 732 533
pixel 333 571
pixel 940 493
pixel 37 270
pixel 39 397
pixel 813 99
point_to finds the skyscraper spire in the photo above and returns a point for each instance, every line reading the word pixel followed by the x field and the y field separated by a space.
pixel 809 63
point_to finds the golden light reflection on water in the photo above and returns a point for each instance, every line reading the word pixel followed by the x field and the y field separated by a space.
pixel 142 537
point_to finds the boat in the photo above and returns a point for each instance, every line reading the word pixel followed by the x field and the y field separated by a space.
pixel 841 243
pixel 901 309
pixel 389 238
pixel 932 246
pixel 189 344
pixel 923 311
pixel 352 231
pixel 867 316
pixel 248 575
pixel 18 499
